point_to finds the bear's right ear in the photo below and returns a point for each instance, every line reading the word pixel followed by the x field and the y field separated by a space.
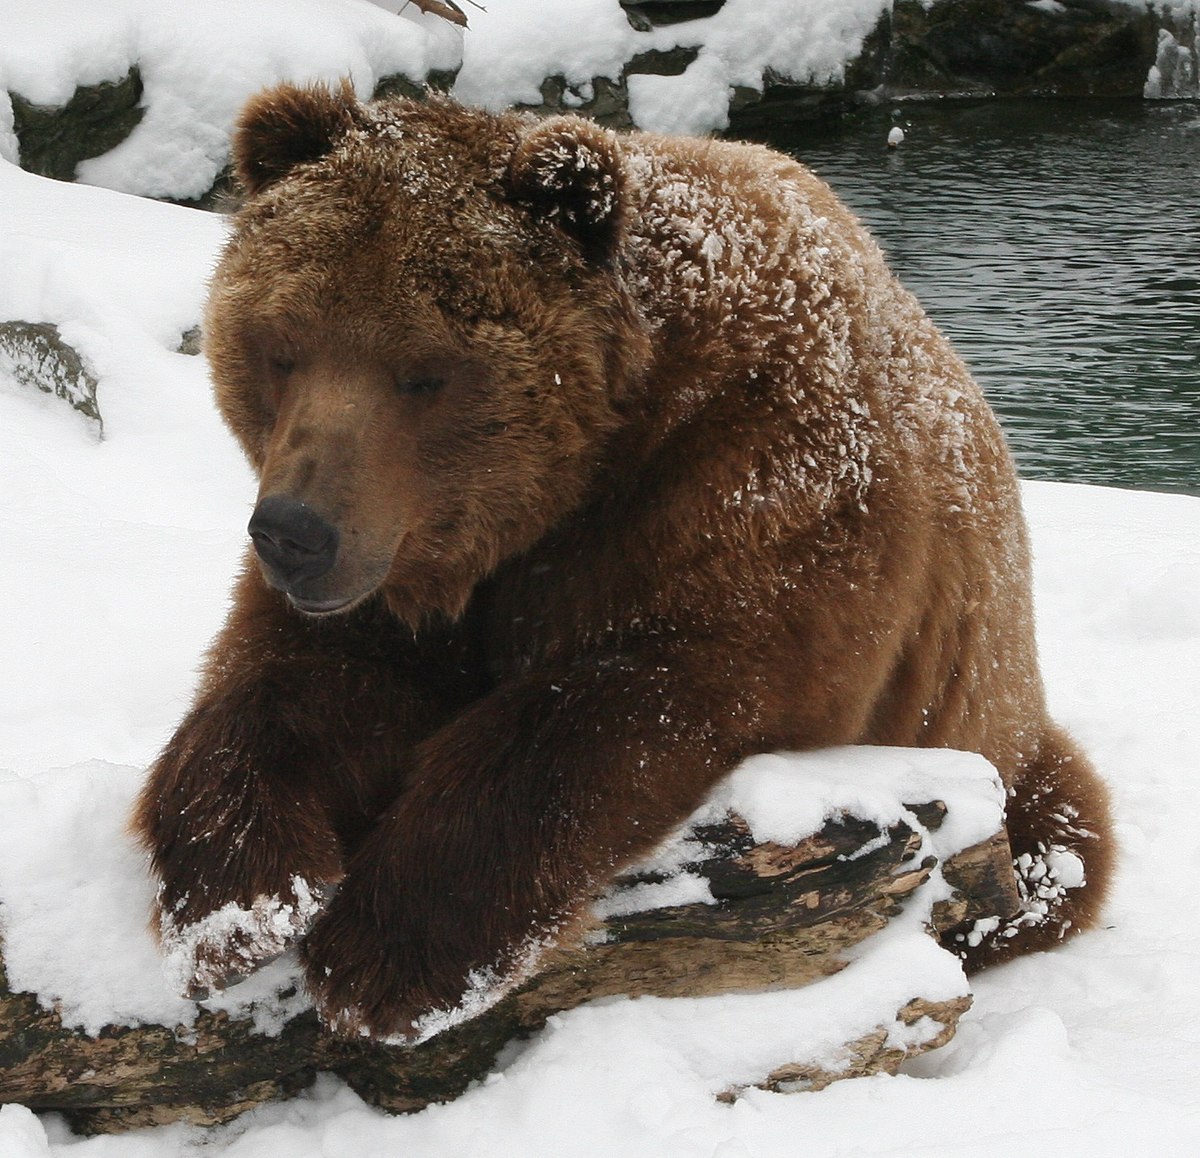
pixel 286 126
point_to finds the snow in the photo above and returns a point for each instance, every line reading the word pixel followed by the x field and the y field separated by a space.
pixel 256 934
pixel 199 62
pixel 119 568
pixel 123 278
pixel 119 551
pixel 513 45
pixel 867 784
pixel 201 59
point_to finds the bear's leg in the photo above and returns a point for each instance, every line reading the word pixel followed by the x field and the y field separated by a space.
pixel 295 744
pixel 241 844
pixel 515 814
pixel 1060 829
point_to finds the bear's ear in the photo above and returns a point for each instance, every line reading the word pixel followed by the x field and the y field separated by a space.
pixel 285 126
pixel 569 170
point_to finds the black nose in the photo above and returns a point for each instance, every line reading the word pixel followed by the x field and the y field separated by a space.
pixel 294 542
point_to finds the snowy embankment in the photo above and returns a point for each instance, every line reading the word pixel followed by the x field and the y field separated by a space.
pixel 117 555
pixel 199 61
pixel 512 46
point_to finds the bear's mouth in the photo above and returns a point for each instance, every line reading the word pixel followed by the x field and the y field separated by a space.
pixel 322 606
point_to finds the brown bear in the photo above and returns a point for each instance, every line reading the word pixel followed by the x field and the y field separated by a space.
pixel 590 465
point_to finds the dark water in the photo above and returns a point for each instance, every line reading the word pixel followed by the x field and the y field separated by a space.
pixel 1058 244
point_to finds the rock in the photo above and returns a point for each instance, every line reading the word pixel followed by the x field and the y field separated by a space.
pixel 996 47
pixel 1175 74
pixel 605 100
pixel 54 139
pixel 948 48
pixel 971 48
pixel 34 354
pixel 98 117
pixel 190 341
pixel 399 85
pixel 647 14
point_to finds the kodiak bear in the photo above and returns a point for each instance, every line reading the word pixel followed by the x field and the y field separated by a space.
pixel 590 465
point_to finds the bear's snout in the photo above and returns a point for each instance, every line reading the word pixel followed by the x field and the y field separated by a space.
pixel 296 545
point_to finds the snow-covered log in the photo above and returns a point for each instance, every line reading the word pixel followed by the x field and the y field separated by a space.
pixel 722 910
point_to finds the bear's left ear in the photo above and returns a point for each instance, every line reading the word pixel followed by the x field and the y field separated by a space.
pixel 569 170
pixel 288 125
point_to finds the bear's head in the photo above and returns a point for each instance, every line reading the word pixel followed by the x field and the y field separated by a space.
pixel 417 334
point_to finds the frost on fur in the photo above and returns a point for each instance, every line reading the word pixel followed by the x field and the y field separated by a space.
pixel 222 948
pixel 484 987
pixel 569 170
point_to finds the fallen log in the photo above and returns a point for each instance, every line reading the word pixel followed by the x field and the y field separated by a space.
pixel 755 915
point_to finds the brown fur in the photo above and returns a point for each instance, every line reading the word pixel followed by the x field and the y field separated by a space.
pixel 640 461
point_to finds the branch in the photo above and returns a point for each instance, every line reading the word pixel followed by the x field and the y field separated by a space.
pixel 446 9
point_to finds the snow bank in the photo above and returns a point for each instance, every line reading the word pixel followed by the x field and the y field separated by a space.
pixel 200 59
pixel 511 47
pixel 199 62
pixel 74 901
pixel 123 278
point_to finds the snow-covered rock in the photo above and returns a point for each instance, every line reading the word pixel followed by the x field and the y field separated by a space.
pixel 140 97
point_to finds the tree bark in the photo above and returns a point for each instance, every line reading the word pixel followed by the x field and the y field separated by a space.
pixel 783 917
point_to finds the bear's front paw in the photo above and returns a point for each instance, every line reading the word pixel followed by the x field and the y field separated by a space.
pixel 207 955
pixel 361 983
pixel 403 985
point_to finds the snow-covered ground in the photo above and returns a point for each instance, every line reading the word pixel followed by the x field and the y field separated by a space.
pixel 117 551
pixel 117 554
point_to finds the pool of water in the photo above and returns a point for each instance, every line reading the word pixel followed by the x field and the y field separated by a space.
pixel 1058 245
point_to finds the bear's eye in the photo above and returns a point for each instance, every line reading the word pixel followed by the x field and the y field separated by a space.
pixel 281 365
pixel 424 385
